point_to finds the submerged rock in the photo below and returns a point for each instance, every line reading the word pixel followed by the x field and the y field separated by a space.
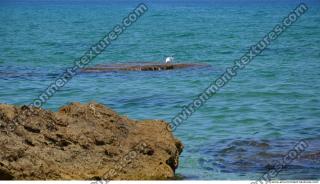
pixel 83 141
pixel 140 67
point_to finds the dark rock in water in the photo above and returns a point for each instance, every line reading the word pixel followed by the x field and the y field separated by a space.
pixel 313 156
pixel 140 67
pixel 83 141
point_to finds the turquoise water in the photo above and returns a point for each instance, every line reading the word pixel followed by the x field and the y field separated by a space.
pixel 258 117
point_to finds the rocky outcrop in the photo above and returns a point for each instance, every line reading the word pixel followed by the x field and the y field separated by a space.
pixel 140 67
pixel 83 141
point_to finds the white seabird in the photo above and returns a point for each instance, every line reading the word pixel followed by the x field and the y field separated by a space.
pixel 169 59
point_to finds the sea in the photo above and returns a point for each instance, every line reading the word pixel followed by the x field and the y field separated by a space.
pixel 252 122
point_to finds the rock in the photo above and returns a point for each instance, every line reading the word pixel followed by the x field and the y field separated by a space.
pixel 83 141
pixel 140 67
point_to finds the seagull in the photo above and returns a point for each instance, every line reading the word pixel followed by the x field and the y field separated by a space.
pixel 169 59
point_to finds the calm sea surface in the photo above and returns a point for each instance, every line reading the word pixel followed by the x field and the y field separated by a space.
pixel 255 119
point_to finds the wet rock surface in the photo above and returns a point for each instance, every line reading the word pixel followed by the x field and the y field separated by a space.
pixel 140 67
pixel 83 141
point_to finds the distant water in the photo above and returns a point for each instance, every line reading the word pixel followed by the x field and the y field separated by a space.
pixel 255 119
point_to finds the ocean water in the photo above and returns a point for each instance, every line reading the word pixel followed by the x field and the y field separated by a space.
pixel 255 119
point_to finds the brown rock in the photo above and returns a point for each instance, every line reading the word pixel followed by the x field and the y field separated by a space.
pixel 84 141
pixel 140 67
